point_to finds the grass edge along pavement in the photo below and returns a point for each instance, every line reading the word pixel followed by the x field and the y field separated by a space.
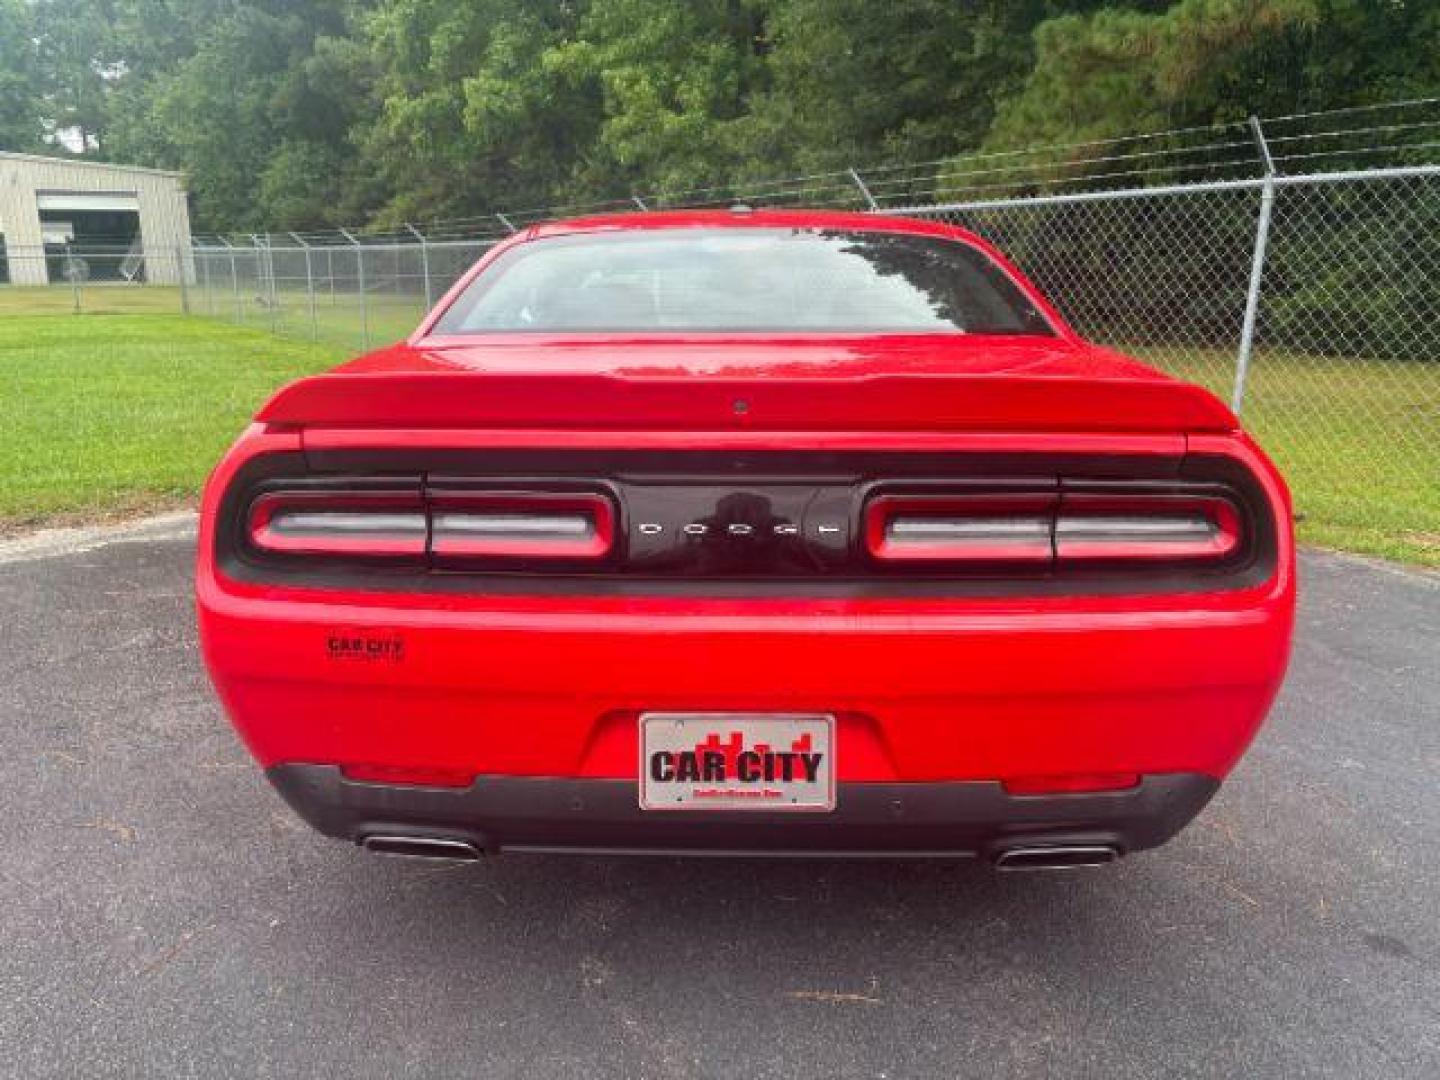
pixel 111 415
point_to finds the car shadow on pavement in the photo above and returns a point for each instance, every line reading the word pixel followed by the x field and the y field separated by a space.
pixel 822 930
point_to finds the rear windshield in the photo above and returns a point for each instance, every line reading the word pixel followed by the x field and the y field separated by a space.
pixel 744 280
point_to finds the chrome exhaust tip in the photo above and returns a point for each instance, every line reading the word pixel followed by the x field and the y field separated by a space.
pixel 1067 857
pixel 422 847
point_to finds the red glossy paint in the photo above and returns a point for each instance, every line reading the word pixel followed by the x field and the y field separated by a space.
pixel 1029 689
pixel 890 382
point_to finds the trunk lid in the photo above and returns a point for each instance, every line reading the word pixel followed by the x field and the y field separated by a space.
pixel 912 383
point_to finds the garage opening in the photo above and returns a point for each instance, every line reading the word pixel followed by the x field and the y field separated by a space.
pixel 91 237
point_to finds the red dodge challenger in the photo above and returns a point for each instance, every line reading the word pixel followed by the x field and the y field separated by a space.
pixel 750 533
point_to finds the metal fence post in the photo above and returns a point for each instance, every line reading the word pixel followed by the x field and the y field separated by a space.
pixel 73 273
pixel 309 288
pixel 204 261
pixel 360 283
pixel 424 263
pixel 234 281
pixel 265 276
pixel 1257 269
pixel 865 191
pixel 184 287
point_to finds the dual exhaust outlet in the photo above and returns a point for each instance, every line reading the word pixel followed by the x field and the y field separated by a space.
pixel 450 849
pixel 1056 857
pixel 435 848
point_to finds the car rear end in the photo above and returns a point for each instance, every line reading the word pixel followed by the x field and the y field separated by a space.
pixel 1032 613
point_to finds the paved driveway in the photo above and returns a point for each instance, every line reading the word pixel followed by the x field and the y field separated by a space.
pixel 164 914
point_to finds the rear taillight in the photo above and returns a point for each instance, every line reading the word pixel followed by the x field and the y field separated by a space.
pixel 981 528
pixel 452 526
pixel 1063 529
pixel 385 525
pixel 521 525
pixel 1123 527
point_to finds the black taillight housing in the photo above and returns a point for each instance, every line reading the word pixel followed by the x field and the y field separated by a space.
pixel 762 524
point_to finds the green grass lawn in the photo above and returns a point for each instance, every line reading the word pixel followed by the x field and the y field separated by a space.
pixel 105 298
pixel 1357 439
pixel 108 414
pixel 113 413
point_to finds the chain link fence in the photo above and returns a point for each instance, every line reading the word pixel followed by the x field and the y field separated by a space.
pixel 1311 303
pixel 96 278
pixel 355 295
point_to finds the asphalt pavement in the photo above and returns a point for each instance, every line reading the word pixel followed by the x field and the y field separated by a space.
pixel 164 914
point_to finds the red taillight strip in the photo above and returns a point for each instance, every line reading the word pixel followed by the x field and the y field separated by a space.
pixel 521 525
pixel 511 525
pixel 1036 528
pixel 1120 527
pixel 366 524
pixel 970 528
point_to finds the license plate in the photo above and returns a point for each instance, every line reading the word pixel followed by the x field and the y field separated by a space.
pixel 737 761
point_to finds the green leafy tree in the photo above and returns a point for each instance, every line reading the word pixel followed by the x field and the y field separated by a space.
pixel 153 38
pixel 472 112
pixel 261 85
pixel 20 110
pixel 76 61
pixel 301 113
pixel 676 81
pixel 1118 71
pixel 853 82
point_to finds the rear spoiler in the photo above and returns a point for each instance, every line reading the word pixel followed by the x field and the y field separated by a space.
pixel 686 403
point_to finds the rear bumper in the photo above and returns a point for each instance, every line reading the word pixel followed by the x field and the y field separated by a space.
pixel 963 819
pixel 937 699
pixel 919 696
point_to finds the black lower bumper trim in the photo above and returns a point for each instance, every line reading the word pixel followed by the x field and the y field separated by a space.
pixel 951 819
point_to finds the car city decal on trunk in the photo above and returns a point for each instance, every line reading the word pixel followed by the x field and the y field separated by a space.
pixel 348 643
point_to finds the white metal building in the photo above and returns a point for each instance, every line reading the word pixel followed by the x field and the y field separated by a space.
pixel 49 206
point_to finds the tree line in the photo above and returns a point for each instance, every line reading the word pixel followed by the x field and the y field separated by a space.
pixel 298 114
